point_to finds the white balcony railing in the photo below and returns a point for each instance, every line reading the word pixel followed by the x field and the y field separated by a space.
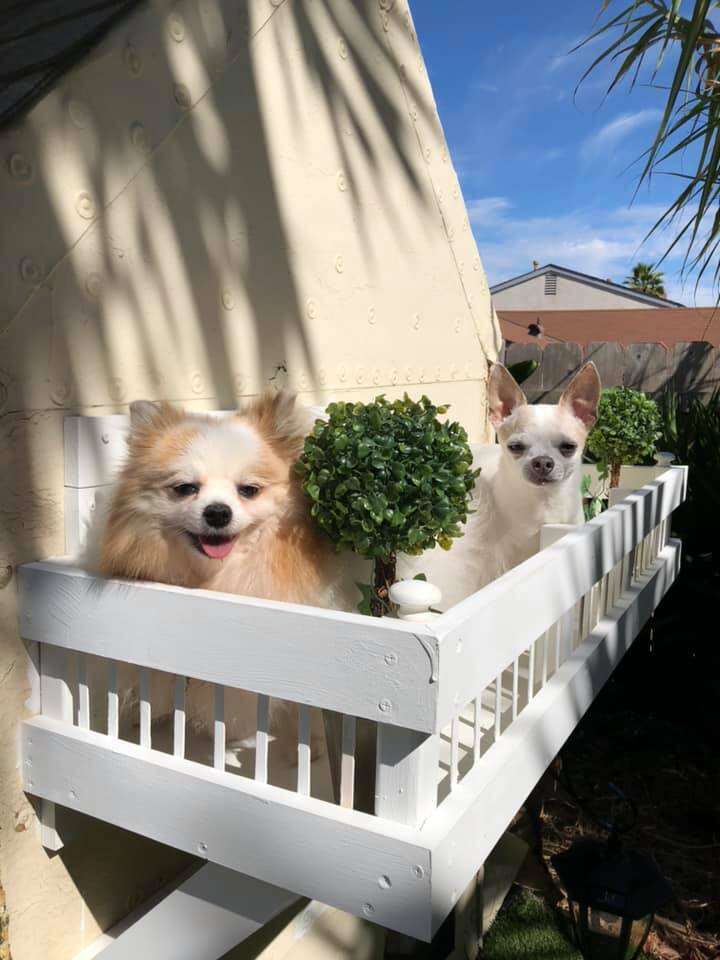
pixel 458 718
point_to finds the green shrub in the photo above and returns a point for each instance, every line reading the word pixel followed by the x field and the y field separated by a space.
pixel 386 478
pixel 627 427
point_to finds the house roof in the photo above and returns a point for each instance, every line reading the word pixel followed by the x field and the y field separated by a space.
pixel 669 326
pixel 585 278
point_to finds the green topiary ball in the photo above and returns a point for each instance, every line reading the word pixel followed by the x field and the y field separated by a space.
pixel 627 427
pixel 388 477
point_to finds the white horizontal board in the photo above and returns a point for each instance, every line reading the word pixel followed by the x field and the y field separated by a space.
pixel 469 823
pixel 499 622
pixel 310 847
pixel 380 669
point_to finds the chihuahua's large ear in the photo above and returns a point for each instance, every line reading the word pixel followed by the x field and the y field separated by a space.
pixel 504 395
pixel 284 423
pixel 582 394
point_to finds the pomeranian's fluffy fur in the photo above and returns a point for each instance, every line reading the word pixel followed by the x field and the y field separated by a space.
pixel 212 502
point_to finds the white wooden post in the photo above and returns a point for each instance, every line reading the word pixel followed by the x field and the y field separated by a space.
pixel 56 701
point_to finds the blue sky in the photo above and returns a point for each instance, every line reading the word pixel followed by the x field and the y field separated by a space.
pixel 547 175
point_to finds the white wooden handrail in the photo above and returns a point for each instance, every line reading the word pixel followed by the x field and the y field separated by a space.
pixel 482 635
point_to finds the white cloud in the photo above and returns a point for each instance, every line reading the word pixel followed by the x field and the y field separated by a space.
pixel 603 243
pixel 613 133
pixel 487 209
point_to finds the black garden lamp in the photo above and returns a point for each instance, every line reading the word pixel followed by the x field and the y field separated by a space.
pixel 613 895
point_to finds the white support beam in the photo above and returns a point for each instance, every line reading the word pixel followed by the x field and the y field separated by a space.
pixel 356 862
pixel 205 916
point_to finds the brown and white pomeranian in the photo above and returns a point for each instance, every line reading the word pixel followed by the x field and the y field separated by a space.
pixel 212 502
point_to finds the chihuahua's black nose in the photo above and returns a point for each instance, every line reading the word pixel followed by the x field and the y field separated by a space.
pixel 542 467
pixel 217 515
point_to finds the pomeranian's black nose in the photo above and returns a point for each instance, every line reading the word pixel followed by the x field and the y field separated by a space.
pixel 217 514
pixel 542 466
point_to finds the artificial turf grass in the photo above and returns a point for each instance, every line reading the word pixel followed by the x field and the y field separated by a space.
pixel 527 929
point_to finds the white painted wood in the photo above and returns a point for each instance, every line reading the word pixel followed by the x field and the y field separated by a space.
pixel 262 739
pixel 83 705
pixel 113 702
pixel 56 701
pixel 347 762
pixel 94 449
pixel 521 605
pixel 218 726
pixel 314 848
pixel 470 821
pixel 207 914
pixel 325 658
pixel 564 628
pixel 304 751
pixel 406 775
pixel 145 710
pixel 179 717
pixel 515 679
pixel 498 706
pixel 454 751
pixel 477 729
pixel 531 670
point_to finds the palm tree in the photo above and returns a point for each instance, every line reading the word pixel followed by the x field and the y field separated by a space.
pixel 647 280
pixel 644 37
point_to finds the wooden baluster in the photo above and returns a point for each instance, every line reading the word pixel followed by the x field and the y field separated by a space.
pixel 218 726
pixel 179 717
pixel 347 762
pixel 304 752
pixel 261 740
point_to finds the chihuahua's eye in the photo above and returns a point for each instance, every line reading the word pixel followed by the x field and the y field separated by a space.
pixel 186 489
pixel 568 448
pixel 248 490
pixel 516 447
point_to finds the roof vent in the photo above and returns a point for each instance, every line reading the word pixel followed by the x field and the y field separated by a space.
pixel 550 284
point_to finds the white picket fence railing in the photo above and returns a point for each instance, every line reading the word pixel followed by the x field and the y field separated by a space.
pixel 456 719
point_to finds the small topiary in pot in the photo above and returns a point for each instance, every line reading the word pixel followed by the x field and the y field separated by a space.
pixel 385 478
pixel 627 427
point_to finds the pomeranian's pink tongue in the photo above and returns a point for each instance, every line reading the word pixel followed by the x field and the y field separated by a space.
pixel 216 551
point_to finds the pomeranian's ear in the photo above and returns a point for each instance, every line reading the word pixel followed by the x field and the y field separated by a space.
pixel 282 421
pixel 143 412
pixel 582 395
pixel 146 417
pixel 504 395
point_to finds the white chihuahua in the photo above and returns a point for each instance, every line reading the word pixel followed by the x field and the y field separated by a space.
pixel 531 477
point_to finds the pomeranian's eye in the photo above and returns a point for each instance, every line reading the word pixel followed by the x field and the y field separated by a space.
pixel 248 490
pixel 516 447
pixel 568 448
pixel 186 489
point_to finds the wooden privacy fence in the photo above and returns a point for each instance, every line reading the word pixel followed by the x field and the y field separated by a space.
pixel 688 369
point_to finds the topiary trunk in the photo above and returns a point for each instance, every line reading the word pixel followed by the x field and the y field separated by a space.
pixel 615 474
pixel 383 578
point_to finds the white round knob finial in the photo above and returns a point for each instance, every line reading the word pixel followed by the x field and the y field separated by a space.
pixel 414 599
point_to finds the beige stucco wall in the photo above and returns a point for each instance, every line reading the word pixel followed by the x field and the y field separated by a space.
pixel 571 295
pixel 224 189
